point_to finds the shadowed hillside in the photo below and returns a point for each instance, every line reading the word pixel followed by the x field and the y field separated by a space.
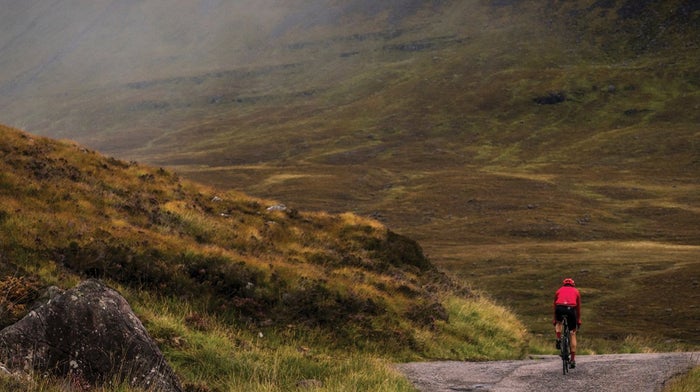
pixel 564 129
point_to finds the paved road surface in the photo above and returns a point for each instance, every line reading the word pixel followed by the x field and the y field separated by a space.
pixel 595 373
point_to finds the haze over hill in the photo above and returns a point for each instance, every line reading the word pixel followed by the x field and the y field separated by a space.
pixel 464 124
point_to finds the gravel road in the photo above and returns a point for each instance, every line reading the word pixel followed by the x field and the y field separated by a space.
pixel 593 373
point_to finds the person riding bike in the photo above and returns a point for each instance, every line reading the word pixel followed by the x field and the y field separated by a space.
pixel 567 303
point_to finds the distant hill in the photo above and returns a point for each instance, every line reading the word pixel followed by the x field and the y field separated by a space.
pixel 278 97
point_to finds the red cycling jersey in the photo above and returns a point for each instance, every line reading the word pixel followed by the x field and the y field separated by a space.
pixel 569 296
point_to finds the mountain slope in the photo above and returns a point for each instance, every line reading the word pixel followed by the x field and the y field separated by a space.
pixel 104 218
pixel 213 258
pixel 566 130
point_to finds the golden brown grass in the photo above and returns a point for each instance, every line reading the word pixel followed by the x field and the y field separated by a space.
pixel 228 286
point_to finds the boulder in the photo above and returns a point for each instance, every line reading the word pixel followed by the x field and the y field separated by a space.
pixel 90 335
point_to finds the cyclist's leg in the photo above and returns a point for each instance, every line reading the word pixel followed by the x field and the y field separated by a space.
pixel 557 333
pixel 572 343
pixel 558 316
pixel 572 351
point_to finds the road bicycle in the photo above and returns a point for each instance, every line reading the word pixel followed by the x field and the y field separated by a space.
pixel 565 346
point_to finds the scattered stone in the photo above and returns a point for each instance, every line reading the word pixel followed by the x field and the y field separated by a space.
pixel 277 207
pixel 310 384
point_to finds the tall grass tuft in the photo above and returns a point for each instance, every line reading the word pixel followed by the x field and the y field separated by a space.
pixel 477 330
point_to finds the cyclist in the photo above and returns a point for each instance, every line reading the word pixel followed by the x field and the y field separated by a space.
pixel 567 303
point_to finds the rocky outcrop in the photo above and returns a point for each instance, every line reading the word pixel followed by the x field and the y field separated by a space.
pixel 88 334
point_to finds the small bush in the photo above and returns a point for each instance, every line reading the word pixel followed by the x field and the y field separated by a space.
pixel 401 251
pixel 16 294
pixel 426 314
pixel 552 98
pixel 313 303
pixel 99 259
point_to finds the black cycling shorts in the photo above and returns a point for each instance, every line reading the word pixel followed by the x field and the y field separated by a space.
pixel 561 311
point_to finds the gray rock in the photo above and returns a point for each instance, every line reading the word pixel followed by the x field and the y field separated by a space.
pixel 88 334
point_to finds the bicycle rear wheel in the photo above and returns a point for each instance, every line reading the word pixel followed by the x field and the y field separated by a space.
pixel 565 355
pixel 565 347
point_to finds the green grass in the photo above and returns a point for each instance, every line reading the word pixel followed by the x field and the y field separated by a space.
pixel 207 352
pixel 481 332
pixel 686 383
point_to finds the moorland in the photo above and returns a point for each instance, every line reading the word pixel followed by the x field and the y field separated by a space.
pixel 239 292
pixel 515 141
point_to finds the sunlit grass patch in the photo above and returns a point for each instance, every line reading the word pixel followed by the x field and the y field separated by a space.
pixel 278 179
pixel 477 329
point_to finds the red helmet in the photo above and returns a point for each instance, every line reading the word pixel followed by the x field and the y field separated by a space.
pixel 569 281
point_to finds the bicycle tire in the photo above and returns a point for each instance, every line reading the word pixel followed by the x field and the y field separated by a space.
pixel 565 346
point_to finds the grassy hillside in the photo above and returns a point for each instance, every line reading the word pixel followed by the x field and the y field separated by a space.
pixel 517 141
pixel 231 285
